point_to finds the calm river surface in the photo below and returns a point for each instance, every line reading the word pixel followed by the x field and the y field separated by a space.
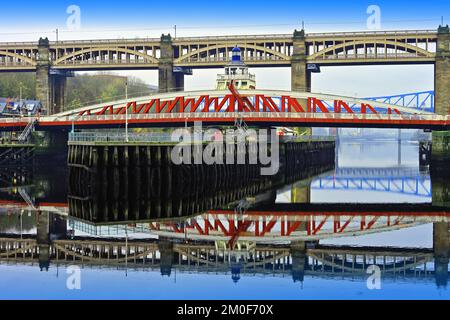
pixel 375 226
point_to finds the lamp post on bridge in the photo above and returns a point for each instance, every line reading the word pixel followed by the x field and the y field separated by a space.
pixel 126 111
pixel 20 91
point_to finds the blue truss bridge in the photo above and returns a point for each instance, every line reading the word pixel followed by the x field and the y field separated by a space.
pixel 400 180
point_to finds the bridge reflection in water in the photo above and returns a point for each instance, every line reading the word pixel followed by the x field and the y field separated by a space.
pixel 116 192
pixel 233 226
pixel 118 248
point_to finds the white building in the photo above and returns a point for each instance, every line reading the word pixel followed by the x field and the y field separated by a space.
pixel 236 71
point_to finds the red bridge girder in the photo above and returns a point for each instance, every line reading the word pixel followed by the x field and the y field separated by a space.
pixel 233 103
pixel 257 225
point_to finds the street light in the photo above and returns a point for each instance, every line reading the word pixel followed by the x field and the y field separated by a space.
pixel 126 251
pixel 20 91
pixel 20 98
pixel 126 111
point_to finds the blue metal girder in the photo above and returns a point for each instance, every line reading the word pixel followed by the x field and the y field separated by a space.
pixel 423 100
pixel 416 186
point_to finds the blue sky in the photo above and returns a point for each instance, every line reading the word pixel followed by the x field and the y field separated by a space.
pixel 122 19
pixel 27 282
pixel 194 16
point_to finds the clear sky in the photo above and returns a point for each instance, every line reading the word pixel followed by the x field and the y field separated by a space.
pixel 29 20
pixel 27 282
pixel 150 18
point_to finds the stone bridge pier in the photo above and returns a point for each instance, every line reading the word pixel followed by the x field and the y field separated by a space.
pixel 300 75
pixel 441 139
pixel 43 239
pixel 299 260
pixel 441 244
pixel 50 83
pixel 170 79
pixel 49 227
pixel 167 259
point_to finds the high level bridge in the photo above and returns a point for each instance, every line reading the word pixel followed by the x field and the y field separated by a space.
pixel 262 260
pixel 50 245
pixel 175 57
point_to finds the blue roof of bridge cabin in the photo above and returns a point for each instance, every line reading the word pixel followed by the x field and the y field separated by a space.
pixel 236 55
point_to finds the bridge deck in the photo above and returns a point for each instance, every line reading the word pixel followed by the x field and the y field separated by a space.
pixel 356 48
pixel 262 119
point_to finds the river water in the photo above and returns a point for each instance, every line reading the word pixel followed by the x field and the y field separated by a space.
pixel 374 226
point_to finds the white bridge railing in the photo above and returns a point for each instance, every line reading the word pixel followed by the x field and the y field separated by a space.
pixel 167 137
pixel 232 116
pixel 156 137
pixel 226 116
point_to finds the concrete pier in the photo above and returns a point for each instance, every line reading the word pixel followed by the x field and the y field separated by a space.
pixel 129 181
pixel 91 154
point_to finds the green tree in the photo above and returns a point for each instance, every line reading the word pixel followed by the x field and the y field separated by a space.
pixel 81 90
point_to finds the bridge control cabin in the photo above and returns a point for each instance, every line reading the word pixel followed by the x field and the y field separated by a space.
pixel 237 72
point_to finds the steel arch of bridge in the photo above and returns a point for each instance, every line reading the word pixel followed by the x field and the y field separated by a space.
pixel 77 57
pixel 246 101
pixel 260 260
pixel 417 186
pixel 255 107
pixel 414 101
pixel 262 227
pixel 422 100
